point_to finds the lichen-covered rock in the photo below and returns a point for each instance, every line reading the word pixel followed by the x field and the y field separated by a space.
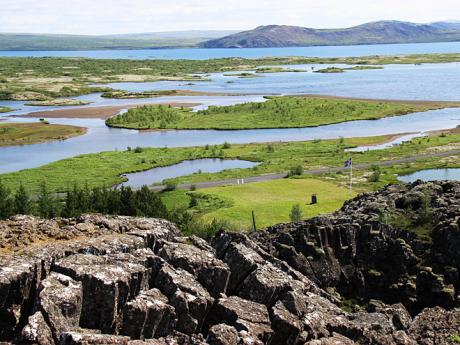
pixel 244 316
pixel 60 301
pixel 190 300
pixel 436 326
pixel 222 334
pixel 211 272
pixel 148 316
pixel 107 283
pixel 37 331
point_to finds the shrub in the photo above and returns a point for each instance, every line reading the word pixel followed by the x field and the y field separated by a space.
pixel 170 186
pixel 226 145
pixel 138 149
pixel 296 171
pixel 296 214
pixel 375 176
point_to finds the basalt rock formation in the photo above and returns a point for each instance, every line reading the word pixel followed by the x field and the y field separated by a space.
pixel 119 280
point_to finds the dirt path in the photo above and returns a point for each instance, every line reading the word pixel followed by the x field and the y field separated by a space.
pixel 269 177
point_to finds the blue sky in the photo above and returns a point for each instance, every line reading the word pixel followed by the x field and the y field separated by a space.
pixel 131 16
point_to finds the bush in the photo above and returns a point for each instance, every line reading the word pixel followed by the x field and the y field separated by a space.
pixel 226 145
pixel 296 214
pixel 193 188
pixel 296 171
pixel 170 186
pixel 138 149
pixel 375 176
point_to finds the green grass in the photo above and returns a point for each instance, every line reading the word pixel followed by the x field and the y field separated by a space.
pixel 105 168
pixel 330 70
pixel 272 201
pixel 5 109
pixel 33 133
pixel 277 112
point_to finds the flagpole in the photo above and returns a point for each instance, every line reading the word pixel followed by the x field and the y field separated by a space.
pixel 351 177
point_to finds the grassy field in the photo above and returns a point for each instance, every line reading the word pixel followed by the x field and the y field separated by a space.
pixel 105 168
pixel 272 201
pixel 45 78
pixel 277 112
pixel 34 133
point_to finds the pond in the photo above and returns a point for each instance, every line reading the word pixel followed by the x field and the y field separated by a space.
pixel 188 167
pixel 432 175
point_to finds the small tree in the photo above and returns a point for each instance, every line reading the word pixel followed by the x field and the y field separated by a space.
pixel 22 202
pixel 46 203
pixel 6 205
pixel 296 214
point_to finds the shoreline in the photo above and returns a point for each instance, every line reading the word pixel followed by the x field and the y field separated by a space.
pixel 102 112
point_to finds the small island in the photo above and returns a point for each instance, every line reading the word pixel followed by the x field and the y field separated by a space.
pixel 5 109
pixel 277 70
pixel 342 70
pixel 12 134
pixel 243 75
pixel 59 102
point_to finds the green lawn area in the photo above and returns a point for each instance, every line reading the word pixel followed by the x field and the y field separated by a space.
pixel 277 112
pixel 37 132
pixel 272 201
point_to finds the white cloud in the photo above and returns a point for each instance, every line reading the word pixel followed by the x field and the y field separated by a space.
pixel 123 16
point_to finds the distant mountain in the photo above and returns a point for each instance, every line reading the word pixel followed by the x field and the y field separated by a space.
pixel 447 25
pixel 178 39
pixel 369 33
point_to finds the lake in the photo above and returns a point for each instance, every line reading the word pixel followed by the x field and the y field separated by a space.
pixel 432 175
pixel 204 54
pixel 421 82
pixel 157 175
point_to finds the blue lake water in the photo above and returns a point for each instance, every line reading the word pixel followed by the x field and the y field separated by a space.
pixel 101 138
pixel 187 167
pixel 432 175
pixel 411 82
pixel 203 54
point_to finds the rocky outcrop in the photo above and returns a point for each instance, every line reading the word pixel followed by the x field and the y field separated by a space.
pixel 371 250
pixel 130 281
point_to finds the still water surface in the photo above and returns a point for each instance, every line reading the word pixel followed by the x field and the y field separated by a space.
pixel 157 175
pixel 432 175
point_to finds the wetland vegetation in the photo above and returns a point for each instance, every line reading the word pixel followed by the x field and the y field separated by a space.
pixel 276 112
pixel 34 133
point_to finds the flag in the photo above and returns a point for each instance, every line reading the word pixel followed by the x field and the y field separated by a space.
pixel 348 163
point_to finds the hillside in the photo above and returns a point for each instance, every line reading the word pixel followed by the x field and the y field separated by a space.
pixel 369 33
pixel 183 39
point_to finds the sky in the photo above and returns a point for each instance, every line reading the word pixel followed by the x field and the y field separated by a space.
pixel 96 17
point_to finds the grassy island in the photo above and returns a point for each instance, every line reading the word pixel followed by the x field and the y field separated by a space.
pixel 277 112
pixel 5 109
pixel 34 133
pixel 60 102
